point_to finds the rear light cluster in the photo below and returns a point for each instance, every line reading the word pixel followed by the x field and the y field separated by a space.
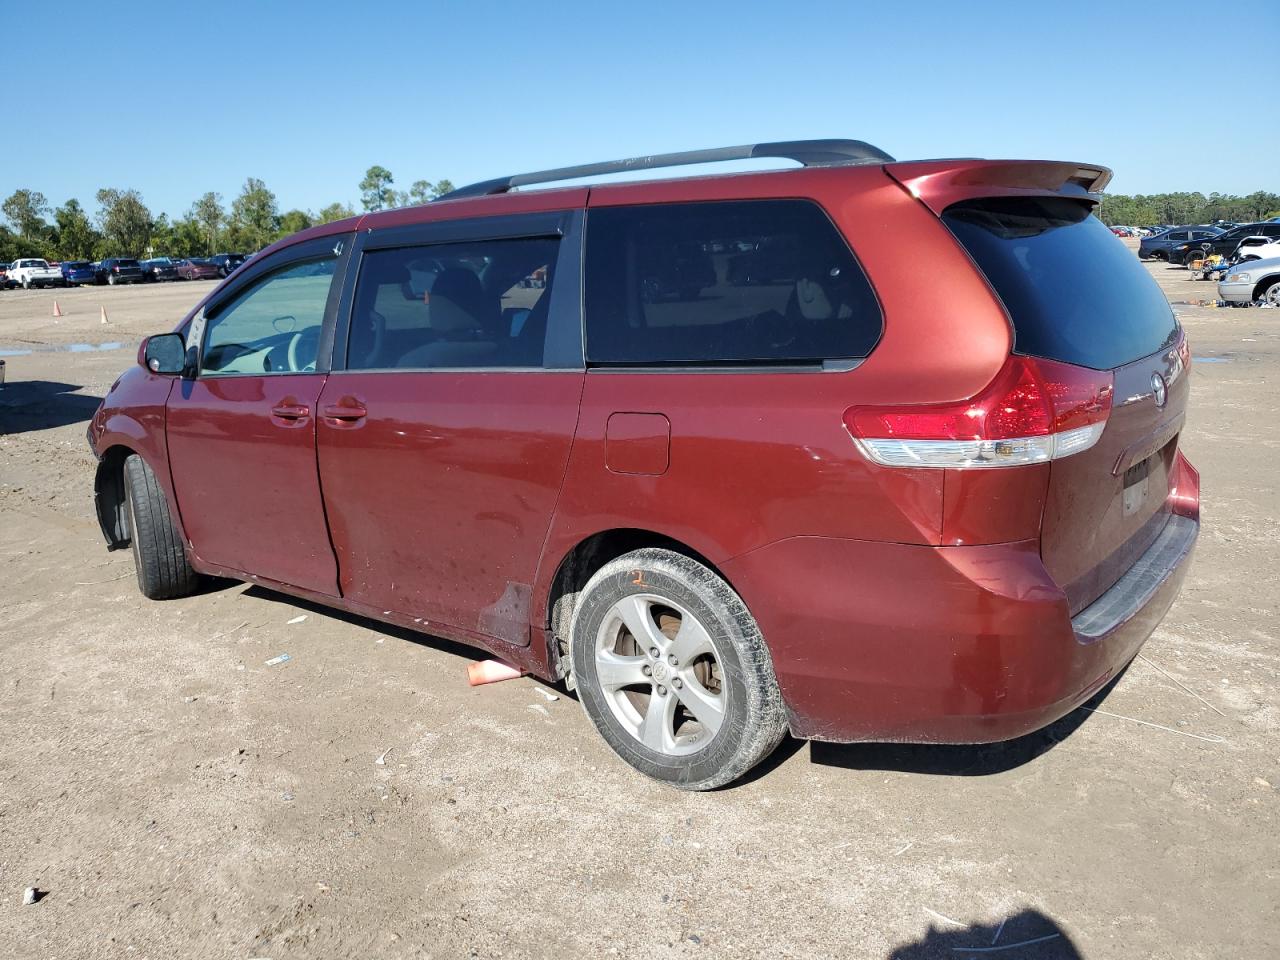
pixel 1032 412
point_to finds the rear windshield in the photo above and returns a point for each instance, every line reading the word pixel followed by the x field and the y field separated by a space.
pixel 127 263
pixel 1074 292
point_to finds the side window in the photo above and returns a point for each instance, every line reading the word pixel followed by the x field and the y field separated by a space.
pixel 725 282
pixel 1177 235
pixel 474 304
pixel 272 327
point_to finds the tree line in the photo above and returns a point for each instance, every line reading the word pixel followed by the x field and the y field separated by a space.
pixel 1184 208
pixel 125 227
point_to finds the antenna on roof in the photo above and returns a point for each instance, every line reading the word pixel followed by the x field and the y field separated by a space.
pixel 809 153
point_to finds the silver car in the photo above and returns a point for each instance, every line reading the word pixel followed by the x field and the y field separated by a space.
pixel 1252 280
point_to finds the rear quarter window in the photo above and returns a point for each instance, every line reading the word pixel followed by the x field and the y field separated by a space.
pixel 1073 292
pixel 761 282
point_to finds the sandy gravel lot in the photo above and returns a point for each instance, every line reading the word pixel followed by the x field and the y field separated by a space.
pixel 177 797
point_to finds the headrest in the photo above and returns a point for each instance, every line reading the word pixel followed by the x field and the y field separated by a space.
pixel 458 302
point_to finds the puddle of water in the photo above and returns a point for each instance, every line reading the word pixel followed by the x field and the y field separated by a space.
pixel 64 348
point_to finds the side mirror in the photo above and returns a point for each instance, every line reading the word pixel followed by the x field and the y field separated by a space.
pixel 165 354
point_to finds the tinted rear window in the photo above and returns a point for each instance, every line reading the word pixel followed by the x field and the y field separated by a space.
pixel 1074 292
pixel 731 282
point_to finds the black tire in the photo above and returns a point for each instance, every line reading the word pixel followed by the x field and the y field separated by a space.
pixel 739 672
pixel 158 554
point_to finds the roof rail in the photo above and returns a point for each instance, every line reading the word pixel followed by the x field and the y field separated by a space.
pixel 810 153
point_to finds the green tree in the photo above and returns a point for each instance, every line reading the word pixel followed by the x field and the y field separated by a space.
pixel 334 211
pixel 125 223
pixel 294 220
pixel 77 239
pixel 441 188
pixel 208 214
pixel 25 209
pixel 255 220
pixel 376 192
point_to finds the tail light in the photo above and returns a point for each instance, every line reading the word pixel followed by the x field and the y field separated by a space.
pixel 1033 411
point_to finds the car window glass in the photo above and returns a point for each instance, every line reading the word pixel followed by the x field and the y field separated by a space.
pixel 1177 235
pixel 273 326
pixel 474 304
pixel 730 282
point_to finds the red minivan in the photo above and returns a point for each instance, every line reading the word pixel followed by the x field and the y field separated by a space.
pixel 864 450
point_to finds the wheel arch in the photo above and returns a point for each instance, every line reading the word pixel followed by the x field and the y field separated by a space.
pixel 580 563
pixel 1261 287
pixel 108 496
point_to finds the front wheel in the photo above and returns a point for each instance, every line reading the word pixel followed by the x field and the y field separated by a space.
pixel 672 670
pixel 158 555
pixel 1271 294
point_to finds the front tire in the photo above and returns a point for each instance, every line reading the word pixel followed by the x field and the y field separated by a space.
pixel 672 670
pixel 158 554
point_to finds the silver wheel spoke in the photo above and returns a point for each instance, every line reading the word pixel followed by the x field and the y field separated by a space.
pixel 692 640
pixel 707 708
pixel 655 729
pixel 614 670
pixel 635 614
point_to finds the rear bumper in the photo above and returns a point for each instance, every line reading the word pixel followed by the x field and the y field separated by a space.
pixel 971 644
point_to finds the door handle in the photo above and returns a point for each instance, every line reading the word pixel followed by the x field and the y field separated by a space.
pixel 291 411
pixel 348 410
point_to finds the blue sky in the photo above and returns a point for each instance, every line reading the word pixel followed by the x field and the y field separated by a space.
pixel 189 98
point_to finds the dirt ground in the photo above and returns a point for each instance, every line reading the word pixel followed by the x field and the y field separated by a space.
pixel 176 796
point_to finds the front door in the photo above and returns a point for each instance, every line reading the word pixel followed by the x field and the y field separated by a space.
pixel 444 442
pixel 242 437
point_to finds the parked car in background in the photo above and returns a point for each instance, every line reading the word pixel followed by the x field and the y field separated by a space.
pixel 116 270
pixel 1159 247
pixel 159 268
pixel 227 262
pixel 31 272
pixel 1252 280
pixel 1225 244
pixel 197 268
pixel 949 542
pixel 77 272
pixel 4 276
pixel 1258 251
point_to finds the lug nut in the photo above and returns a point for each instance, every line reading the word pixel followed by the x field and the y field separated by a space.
pixel 662 691
pixel 653 652
pixel 671 659
pixel 646 670
pixel 678 683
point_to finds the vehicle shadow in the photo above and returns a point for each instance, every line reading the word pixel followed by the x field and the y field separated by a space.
pixel 1028 934
pixel 27 405
pixel 957 760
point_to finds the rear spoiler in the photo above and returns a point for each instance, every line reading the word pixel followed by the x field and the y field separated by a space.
pixel 940 183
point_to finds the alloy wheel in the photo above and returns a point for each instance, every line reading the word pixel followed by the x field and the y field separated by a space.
pixel 660 672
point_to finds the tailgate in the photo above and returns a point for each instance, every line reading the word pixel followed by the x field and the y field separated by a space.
pixel 1075 294
pixel 1107 505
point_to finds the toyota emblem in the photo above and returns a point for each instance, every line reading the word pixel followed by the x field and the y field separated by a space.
pixel 1159 389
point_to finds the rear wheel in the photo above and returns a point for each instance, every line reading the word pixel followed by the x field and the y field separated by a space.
pixel 672 670
pixel 158 555
pixel 111 279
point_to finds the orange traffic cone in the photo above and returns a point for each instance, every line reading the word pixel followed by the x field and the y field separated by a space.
pixel 104 314
pixel 57 310
pixel 491 671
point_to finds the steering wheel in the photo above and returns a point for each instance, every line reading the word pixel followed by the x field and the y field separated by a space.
pixel 296 350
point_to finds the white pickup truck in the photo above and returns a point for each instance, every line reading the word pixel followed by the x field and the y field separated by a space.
pixel 32 272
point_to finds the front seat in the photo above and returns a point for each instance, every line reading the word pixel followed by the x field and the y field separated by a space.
pixel 464 320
